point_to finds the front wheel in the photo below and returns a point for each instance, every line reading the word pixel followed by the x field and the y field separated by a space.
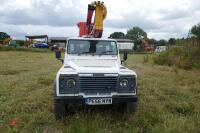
pixel 59 109
pixel 131 107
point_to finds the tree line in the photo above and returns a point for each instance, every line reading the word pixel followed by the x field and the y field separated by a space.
pixel 136 34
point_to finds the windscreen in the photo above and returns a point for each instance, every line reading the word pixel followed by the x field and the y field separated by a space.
pixel 94 47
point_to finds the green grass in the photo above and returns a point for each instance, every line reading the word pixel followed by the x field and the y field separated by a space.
pixel 169 99
pixel 24 49
pixel 186 57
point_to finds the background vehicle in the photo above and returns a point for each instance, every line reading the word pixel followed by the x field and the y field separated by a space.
pixel 40 45
pixel 160 49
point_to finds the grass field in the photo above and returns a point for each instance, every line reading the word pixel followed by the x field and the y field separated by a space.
pixel 169 99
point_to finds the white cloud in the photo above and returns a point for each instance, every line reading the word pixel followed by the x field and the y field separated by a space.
pixel 19 31
pixel 159 18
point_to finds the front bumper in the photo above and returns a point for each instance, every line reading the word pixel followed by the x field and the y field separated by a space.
pixel 80 100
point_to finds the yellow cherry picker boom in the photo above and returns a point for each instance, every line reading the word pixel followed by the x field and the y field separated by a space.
pixel 93 29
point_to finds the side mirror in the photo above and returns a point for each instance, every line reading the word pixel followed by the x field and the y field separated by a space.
pixel 125 55
pixel 58 55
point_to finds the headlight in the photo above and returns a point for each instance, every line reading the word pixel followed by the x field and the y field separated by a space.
pixel 71 83
pixel 124 83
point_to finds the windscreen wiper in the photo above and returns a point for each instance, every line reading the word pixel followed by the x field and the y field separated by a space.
pixel 109 51
pixel 83 53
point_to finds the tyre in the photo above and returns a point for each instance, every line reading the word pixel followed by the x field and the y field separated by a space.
pixel 59 105
pixel 131 107
pixel 59 109
pixel 120 108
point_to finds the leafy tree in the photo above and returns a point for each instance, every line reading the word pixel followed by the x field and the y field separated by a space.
pixel 172 41
pixel 3 36
pixel 136 34
pixel 151 41
pixel 162 42
pixel 195 31
pixel 117 35
pixel 20 42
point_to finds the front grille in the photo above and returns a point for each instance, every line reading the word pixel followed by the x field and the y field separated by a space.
pixel 98 84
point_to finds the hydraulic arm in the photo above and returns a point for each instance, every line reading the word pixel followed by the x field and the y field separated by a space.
pixel 93 29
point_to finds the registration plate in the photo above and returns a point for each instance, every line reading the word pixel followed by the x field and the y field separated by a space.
pixel 98 101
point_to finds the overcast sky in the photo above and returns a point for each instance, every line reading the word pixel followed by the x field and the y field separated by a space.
pixel 159 18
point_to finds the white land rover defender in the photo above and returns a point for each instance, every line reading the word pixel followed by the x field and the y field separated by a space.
pixel 92 74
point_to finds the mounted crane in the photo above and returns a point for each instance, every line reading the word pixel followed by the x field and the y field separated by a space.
pixel 92 72
pixel 93 29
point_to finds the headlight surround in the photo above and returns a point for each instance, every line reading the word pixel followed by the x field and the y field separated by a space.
pixel 67 83
pixel 71 83
pixel 127 84
pixel 124 83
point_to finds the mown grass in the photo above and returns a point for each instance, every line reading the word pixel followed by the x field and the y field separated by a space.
pixel 169 99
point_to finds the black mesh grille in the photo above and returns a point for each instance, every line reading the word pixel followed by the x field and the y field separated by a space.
pixel 97 84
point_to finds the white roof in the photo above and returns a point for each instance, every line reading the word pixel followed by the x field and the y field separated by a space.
pixel 83 38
